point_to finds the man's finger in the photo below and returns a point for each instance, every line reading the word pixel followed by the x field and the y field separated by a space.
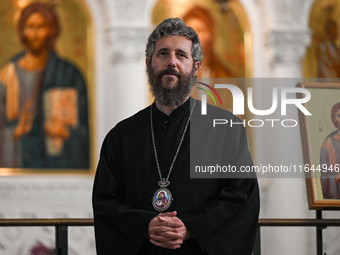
pixel 167 223
pixel 166 236
pixel 167 245
pixel 161 229
pixel 170 223
pixel 167 214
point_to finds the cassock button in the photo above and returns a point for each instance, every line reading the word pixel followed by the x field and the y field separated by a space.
pixel 165 121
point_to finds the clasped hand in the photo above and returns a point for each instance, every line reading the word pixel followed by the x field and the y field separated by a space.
pixel 167 231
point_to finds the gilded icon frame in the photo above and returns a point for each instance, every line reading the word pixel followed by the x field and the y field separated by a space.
pixel 315 129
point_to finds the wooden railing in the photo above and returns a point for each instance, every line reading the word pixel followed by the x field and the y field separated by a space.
pixel 61 228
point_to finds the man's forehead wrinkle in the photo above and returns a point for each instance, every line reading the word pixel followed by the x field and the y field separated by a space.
pixel 167 49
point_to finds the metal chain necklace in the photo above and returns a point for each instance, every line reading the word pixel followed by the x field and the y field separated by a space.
pixel 162 198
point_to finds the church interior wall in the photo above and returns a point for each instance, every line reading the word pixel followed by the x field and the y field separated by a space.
pixel 280 35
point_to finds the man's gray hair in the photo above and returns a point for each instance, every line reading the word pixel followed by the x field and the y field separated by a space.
pixel 174 26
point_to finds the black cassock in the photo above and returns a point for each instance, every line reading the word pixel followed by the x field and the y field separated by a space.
pixel 220 213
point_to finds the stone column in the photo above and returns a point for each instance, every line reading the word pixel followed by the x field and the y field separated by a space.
pixel 287 50
pixel 127 89
pixel 284 198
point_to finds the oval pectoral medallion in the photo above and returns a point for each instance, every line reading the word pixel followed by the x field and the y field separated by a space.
pixel 161 200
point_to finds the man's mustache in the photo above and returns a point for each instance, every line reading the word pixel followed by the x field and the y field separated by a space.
pixel 171 71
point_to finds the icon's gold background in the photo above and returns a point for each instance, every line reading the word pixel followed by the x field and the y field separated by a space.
pixel 75 43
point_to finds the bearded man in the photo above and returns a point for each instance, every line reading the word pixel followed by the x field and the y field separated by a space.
pixel 150 153
pixel 43 100
pixel 330 156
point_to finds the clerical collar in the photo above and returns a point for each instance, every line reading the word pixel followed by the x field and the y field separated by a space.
pixel 176 114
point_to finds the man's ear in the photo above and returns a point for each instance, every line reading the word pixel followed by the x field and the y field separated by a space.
pixel 146 61
pixel 197 66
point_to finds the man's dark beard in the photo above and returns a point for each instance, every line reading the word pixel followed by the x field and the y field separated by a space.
pixel 45 46
pixel 166 95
